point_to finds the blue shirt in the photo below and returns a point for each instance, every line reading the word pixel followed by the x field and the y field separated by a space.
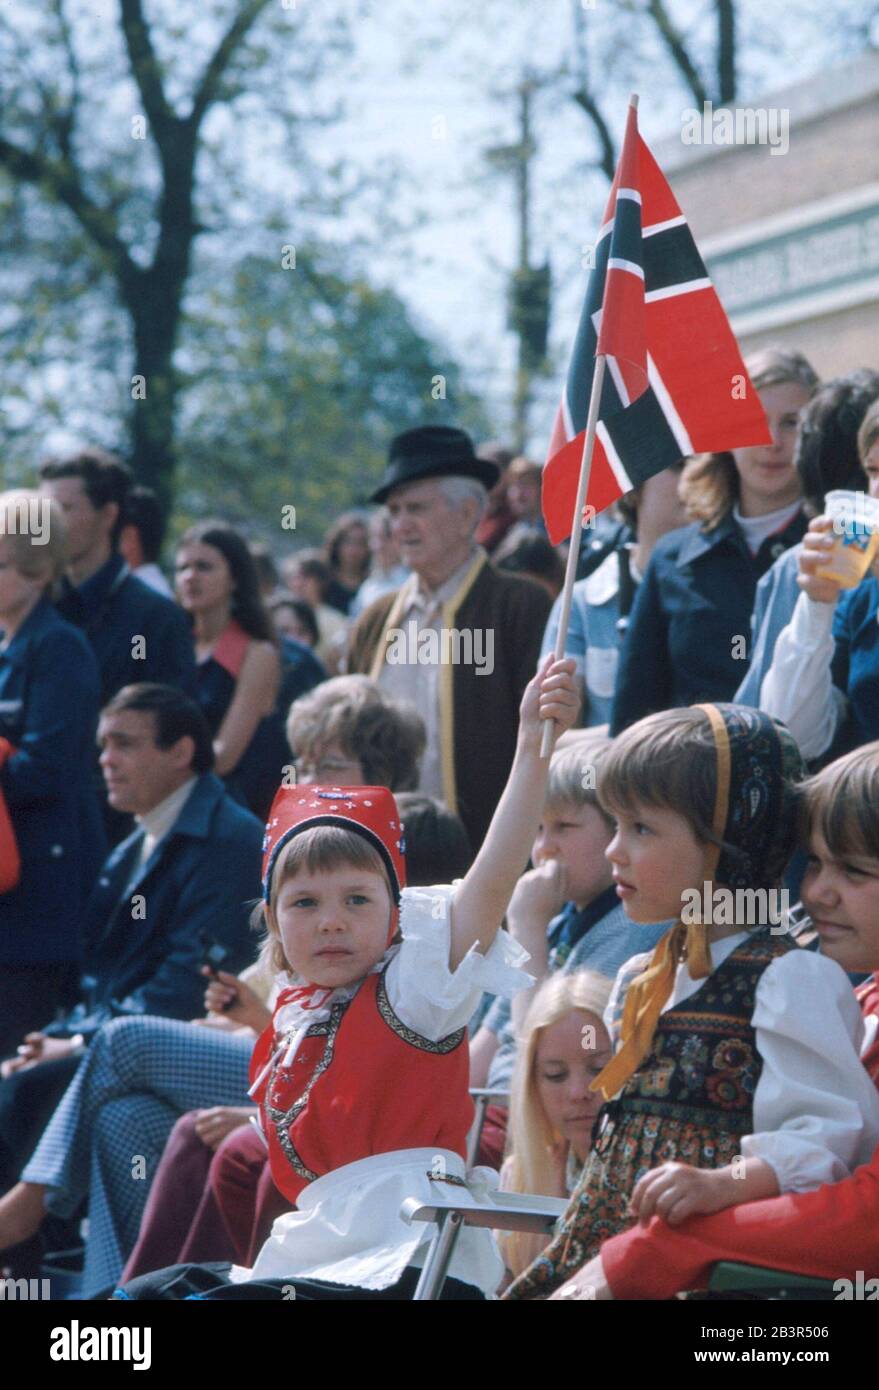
pixel 593 639
pixel 774 604
pixel 855 665
pixel 694 601
pixel 598 937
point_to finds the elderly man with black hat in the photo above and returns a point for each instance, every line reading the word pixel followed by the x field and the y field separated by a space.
pixel 460 639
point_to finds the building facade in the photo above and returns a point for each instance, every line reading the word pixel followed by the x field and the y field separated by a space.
pixel 783 199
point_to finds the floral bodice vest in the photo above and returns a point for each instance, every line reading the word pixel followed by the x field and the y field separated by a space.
pixel 690 1101
pixel 703 1065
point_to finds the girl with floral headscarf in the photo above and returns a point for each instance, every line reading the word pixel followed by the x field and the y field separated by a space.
pixel 737 1073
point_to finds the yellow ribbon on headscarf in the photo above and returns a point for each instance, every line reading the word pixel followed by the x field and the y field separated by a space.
pixel 647 993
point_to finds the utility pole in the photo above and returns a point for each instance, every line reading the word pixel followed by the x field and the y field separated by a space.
pixel 530 285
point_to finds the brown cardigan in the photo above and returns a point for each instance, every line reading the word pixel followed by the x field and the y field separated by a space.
pixel 479 714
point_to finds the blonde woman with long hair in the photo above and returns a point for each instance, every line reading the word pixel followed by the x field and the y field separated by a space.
pixel 562 1048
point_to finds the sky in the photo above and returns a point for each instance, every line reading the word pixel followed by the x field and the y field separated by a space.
pixel 428 89
pixel 434 89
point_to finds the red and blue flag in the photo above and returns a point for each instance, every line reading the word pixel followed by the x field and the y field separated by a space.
pixel 675 383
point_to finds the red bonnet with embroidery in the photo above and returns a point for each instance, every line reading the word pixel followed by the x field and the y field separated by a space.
pixel 368 811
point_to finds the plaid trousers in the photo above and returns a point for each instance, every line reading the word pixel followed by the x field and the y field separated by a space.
pixel 107 1135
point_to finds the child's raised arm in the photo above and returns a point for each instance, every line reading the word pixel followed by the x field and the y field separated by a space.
pixel 483 896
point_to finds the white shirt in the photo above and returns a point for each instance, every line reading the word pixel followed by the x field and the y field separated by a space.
pixel 757 528
pixel 798 688
pixel 151 574
pixel 347 1227
pixel 418 683
pixel 816 1110
pixel 161 818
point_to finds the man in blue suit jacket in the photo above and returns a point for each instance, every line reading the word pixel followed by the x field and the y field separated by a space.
pixel 101 595
pixel 191 868
pixel 136 634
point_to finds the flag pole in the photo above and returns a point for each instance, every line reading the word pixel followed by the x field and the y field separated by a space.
pixel 548 737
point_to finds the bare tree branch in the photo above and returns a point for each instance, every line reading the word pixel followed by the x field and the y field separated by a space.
pixel 607 159
pixel 208 88
pixel 583 97
pixel 61 181
pixel 65 122
pixel 674 42
pixel 727 83
pixel 145 68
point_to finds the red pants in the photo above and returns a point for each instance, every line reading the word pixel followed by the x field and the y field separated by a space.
pixel 829 1234
pixel 493 1140
pixel 246 1198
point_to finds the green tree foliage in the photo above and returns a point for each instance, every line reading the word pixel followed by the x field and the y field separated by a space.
pixel 296 380
pixel 124 195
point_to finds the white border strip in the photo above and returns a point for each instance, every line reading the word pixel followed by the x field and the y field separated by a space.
pixel 616 263
pixel 616 464
pixel 613 367
pixel 664 226
pixel 566 415
pixel 671 291
pixel 666 404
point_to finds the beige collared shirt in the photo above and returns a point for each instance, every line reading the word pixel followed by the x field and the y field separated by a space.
pixel 418 682
pixel 157 822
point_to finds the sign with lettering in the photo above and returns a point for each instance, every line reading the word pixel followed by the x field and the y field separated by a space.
pixel 778 270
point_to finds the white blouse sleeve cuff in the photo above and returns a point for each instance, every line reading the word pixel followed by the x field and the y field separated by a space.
pixel 429 997
pixel 816 1111
pixel 798 688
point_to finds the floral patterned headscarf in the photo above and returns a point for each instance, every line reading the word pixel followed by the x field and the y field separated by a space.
pixel 754 825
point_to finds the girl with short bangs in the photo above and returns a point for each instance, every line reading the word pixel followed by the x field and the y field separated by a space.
pixel 737 1074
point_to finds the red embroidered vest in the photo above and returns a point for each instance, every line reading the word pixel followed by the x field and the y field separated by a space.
pixel 361 1083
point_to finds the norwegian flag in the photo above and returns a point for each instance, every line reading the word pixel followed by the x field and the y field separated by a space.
pixel 675 382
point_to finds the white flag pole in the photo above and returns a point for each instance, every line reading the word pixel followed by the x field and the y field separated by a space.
pixel 574 551
pixel 548 737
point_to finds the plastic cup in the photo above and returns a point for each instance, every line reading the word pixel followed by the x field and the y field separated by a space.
pixel 855 532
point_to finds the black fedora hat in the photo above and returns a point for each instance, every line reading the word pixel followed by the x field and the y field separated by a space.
pixel 433 451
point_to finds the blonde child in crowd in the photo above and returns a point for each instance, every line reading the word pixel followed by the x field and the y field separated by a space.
pixel 562 1046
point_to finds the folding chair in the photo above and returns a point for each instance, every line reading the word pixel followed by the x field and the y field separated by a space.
pixel 509 1211
pixel 450 1212
pixel 729 1279
pixel 483 1097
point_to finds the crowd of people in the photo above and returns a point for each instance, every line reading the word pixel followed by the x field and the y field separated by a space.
pixel 283 875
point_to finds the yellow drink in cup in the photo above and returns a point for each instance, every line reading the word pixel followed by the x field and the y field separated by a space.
pixel 855 535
